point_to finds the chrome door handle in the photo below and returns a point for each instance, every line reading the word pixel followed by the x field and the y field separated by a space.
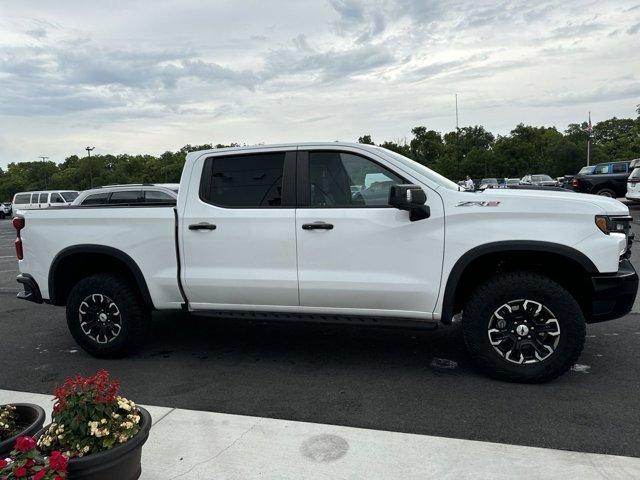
pixel 202 226
pixel 317 226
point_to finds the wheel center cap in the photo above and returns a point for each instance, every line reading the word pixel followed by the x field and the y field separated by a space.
pixel 103 317
pixel 522 330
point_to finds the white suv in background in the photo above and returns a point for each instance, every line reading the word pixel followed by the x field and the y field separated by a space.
pixel 43 199
pixel 133 194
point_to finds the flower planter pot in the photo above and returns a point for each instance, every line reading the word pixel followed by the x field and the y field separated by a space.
pixel 122 462
pixel 32 416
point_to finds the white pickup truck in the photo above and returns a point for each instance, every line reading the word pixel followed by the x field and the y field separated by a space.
pixel 340 232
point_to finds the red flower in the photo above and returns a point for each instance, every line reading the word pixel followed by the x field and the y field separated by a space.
pixel 58 477
pixel 40 475
pixel 58 462
pixel 20 472
pixel 29 463
pixel 24 444
pixel 3 463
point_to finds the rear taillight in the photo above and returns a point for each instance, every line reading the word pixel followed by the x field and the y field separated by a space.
pixel 18 224
pixel 574 182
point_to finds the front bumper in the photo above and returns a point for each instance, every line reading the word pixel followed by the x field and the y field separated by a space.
pixel 31 291
pixel 614 294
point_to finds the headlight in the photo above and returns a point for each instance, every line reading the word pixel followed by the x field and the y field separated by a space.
pixel 609 224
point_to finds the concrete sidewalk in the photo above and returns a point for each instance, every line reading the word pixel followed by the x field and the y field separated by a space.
pixel 190 444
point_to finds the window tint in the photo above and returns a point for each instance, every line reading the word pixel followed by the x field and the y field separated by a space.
pixel 619 167
pixel 157 196
pixel 69 196
pixel 34 198
pixel 44 198
pixel 96 199
pixel 22 198
pixel 56 198
pixel 244 180
pixel 347 180
pixel 126 197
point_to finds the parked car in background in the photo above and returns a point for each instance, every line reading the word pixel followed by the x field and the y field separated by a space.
pixel 633 186
pixel 133 194
pixel 586 170
pixel 489 183
pixel 539 180
pixel 43 199
pixel 5 210
pixel 606 179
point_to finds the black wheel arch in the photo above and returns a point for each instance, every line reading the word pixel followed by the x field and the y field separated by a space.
pixel 513 249
pixel 65 272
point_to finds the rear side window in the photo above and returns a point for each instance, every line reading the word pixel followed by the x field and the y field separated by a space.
pixel 22 198
pixel 96 199
pixel 44 197
pixel 127 197
pixel 34 198
pixel 619 167
pixel 247 181
pixel 157 196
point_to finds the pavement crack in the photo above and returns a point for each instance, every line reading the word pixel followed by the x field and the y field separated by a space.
pixel 212 458
pixel 162 417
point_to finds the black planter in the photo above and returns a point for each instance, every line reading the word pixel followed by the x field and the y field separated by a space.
pixel 28 414
pixel 122 462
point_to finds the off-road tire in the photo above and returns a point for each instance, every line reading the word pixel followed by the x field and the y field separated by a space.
pixel 134 315
pixel 507 287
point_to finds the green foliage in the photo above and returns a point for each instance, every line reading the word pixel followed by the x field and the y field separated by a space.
pixel 471 150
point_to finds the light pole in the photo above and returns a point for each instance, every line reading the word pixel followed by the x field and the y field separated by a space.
pixel 45 170
pixel 88 149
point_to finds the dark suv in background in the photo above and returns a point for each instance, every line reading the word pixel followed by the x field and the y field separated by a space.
pixel 606 179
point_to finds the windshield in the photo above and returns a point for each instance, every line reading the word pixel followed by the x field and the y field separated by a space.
pixel 69 196
pixel 427 172
pixel 586 170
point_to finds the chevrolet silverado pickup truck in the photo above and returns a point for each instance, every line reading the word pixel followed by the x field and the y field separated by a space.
pixel 339 232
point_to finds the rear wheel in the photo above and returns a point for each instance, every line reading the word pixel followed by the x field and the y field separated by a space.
pixel 106 316
pixel 607 192
pixel 523 327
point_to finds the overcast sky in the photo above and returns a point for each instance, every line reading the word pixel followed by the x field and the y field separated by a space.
pixel 148 76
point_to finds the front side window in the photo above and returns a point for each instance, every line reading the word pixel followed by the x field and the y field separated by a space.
pixel 69 196
pixel 339 179
pixel 601 169
pixel 126 197
pixel 96 199
pixel 157 196
pixel 56 198
pixel 246 181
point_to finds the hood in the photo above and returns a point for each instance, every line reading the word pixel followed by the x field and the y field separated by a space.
pixel 609 206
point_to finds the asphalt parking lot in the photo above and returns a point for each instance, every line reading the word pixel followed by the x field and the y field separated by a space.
pixel 385 379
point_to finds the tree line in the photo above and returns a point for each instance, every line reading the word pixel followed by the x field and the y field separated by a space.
pixel 471 150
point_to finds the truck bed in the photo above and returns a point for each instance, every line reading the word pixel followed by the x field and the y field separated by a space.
pixel 145 233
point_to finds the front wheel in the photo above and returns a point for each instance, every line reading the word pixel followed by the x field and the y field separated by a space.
pixel 523 327
pixel 106 316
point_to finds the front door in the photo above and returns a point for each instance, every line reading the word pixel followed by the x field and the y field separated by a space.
pixel 238 234
pixel 356 254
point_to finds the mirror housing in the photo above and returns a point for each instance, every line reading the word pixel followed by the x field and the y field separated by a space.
pixel 411 198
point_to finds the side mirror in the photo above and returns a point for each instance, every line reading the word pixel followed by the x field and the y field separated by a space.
pixel 411 198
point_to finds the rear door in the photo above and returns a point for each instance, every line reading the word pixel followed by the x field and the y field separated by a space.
pixel 238 233
pixel 356 254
